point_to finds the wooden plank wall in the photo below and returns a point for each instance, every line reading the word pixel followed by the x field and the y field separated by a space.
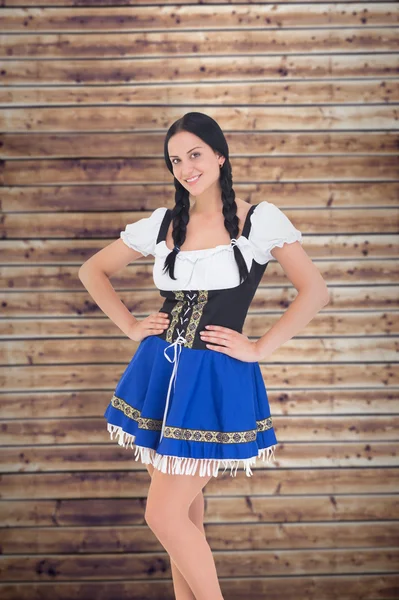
pixel 307 94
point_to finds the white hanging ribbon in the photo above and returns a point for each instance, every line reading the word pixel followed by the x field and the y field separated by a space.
pixel 177 351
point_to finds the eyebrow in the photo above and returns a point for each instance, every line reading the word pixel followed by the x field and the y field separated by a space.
pixel 172 156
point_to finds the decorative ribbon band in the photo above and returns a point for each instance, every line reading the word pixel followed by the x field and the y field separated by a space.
pixel 177 347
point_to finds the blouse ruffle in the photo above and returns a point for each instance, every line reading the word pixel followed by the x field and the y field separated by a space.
pixel 270 227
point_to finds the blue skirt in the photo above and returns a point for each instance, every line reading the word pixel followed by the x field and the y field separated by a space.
pixel 184 408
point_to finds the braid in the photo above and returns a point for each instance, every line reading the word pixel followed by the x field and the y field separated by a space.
pixel 230 215
pixel 180 216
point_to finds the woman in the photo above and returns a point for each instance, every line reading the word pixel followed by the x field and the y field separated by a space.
pixel 192 398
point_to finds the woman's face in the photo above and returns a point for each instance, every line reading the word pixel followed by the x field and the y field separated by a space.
pixel 192 158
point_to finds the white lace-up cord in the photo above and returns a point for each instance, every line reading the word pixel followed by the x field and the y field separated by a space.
pixel 177 351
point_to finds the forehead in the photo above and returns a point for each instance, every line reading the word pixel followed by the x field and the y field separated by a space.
pixel 183 142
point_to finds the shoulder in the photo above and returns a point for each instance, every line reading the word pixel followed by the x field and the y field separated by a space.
pixel 269 213
pixel 243 208
pixel 265 207
pixel 158 213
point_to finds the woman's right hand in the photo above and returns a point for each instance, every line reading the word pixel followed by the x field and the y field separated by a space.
pixel 154 324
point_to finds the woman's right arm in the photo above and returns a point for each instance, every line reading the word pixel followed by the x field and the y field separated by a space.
pixel 95 274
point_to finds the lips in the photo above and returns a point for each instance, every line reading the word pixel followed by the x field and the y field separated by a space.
pixel 194 180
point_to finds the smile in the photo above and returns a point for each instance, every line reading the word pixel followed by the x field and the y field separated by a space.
pixel 193 179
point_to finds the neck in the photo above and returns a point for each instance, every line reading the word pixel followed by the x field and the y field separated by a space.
pixel 208 203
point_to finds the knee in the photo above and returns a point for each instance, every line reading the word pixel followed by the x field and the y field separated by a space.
pixel 196 511
pixel 151 515
pixel 157 517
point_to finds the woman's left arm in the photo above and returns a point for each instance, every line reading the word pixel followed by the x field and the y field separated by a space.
pixel 312 296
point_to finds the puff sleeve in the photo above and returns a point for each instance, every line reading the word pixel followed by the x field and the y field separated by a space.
pixel 270 227
pixel 142 234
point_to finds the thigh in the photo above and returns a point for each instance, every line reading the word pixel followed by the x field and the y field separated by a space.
pixel 197 507
pixel 150 469
pixel 173 493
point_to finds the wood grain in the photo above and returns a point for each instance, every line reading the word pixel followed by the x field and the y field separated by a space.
pixel 297 401
pixel 367 587
pixel 139 198
pixel 60 538
pixel 293 16
pixel 307 95
pixel 128 479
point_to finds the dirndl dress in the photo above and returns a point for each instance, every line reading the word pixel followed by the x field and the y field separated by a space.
pixel 183 407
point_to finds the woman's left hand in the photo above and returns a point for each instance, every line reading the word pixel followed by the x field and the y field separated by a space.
pixel 230 342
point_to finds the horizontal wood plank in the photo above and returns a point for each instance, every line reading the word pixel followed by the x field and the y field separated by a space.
pixel 343 92
pixel 241 564
pixel 91 3
pixel 126 118
pixel 147 197
pixel 137 144
pixel 118 538
pixel 217 43
pixel 130 482
pixel 366 587
pixel 306 454
pixel 220 17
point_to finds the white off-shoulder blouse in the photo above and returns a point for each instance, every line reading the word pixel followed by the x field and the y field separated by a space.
pixel 212 268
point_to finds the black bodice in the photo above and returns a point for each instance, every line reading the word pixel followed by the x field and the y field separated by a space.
pixel 191 310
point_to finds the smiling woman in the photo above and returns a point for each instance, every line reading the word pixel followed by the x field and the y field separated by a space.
pixel 192 400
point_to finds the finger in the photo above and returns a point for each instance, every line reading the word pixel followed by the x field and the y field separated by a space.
pixel 217 344
pixel 219 328
pixel 217 348
pixel 160 320
pixel 215 337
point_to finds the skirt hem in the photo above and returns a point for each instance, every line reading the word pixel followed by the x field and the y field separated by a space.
pixel 180 465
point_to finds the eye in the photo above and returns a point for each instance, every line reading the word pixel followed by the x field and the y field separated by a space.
pixel 193 154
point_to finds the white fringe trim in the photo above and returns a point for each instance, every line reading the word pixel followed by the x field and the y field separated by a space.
pixel 177 465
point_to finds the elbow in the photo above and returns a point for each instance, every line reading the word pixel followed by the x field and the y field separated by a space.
pixel 325 297
pixel 83 270
pixel 318 295
pixel 88 269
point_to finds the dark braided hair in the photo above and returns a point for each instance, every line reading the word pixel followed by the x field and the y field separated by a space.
pixel 206 128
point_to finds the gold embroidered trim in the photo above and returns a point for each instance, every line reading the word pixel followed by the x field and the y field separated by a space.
pixel 196 314
pixel 192 435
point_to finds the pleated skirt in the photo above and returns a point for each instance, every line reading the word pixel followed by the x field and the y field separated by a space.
pixel 191 411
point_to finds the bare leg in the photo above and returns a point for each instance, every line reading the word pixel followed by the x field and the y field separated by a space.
pixel 196 513
pixel 167 514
